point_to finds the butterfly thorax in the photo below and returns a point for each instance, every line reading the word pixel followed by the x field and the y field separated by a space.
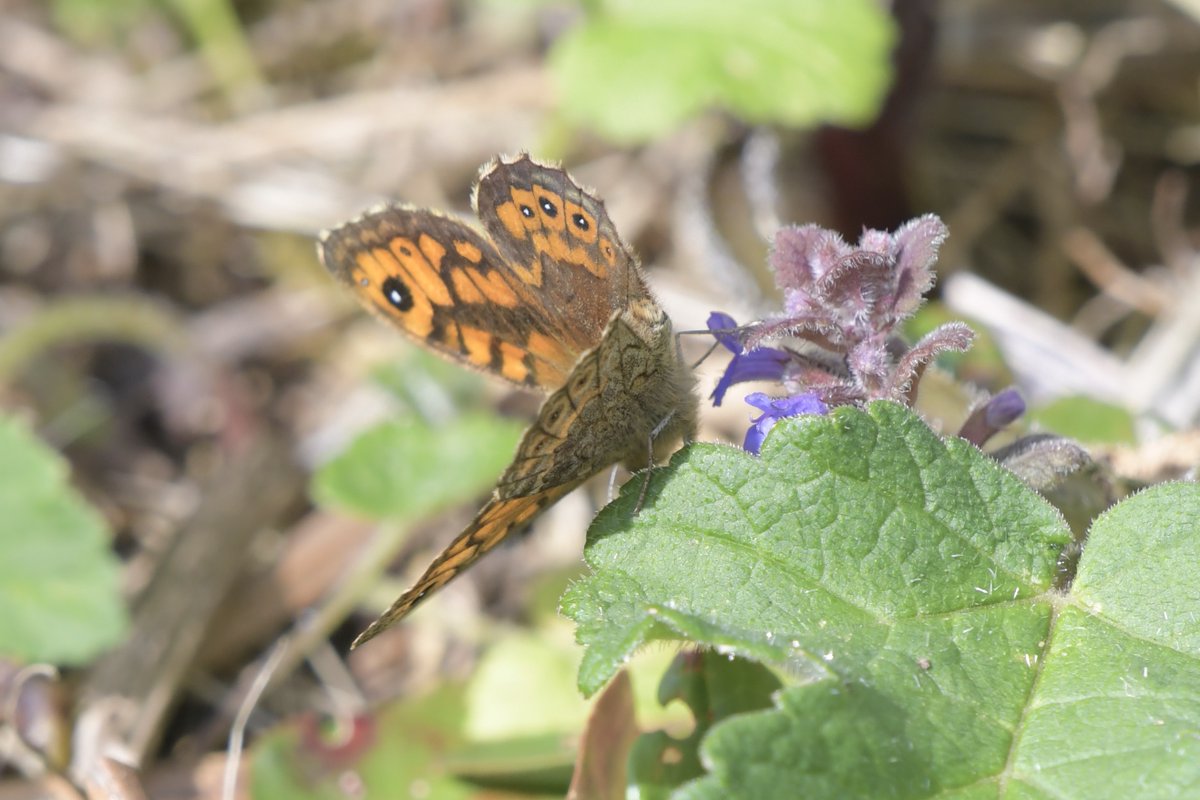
pixel 628 387
pixel 659 387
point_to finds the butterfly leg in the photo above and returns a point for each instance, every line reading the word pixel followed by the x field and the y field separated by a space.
pixel 612 483
pixel 654 432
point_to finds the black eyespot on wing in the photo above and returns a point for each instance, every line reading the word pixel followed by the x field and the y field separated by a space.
pixel 551 416
pixel 580 221
pixel 406 250
pixel 582 377
pixel 526 211
pixel 397 294
pixel 549 207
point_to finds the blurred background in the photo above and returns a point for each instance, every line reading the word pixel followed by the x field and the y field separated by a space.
pixel 216 470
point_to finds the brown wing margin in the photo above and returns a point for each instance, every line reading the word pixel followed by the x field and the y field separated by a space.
pixel 494 522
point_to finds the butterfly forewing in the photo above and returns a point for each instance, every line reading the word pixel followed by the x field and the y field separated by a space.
pixel 446 286
pixel 559 240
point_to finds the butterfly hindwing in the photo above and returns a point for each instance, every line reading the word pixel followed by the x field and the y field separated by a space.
pixel 494 522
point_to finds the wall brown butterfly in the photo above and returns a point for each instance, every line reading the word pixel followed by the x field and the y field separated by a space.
pixel 549 298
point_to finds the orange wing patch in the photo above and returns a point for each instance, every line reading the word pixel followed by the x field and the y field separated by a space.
pixel 494 287
pixel 544 348
pixel 579 255
pixel 450 335
pixel 468 251
pixel 510 217
pixel 479 345
pixel 465 288
pixel 608 251
pixel 583 224
pixel 424 275
pixel 518 216
pixel 531 274
pixel 549 210
pixel 432 249
pixel 512 363
pixel 541 243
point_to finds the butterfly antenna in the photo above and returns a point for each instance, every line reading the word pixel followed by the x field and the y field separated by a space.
pixel 707 331
pixel 707 353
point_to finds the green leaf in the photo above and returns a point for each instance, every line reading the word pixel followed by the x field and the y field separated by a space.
pixel 59 581
pixel 634 70
pixel 1113 710
pixel 906 583
pixel 1117 708
pixel 811 556
pixel 714 687
pixel 1087 420
pixel 405 469
pixel 859 548
pixel 524 686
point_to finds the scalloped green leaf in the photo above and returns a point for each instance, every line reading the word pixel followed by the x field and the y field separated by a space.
pixel 848 529
pixel 634 70
pixel 1113 710
pixel 406 469
pixel 1117 707
pixel 59 580
pixel 907 584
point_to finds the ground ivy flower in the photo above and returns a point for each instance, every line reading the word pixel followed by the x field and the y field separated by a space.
pixel 992 416
pixel 775 409
pixel 761 364
pixel 843 308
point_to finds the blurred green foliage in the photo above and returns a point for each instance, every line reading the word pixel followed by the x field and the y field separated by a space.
pixel 406 469
pixel 59 579
pixel 634 70
pixel 1086 419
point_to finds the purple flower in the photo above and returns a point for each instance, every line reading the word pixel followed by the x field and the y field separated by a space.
pixel 774 409
pixel 993 416
pixel 841 296
pixel 762 364
pixel 843 307
pixel 1004 408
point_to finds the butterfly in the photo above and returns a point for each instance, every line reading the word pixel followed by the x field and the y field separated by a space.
pixel 549 298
